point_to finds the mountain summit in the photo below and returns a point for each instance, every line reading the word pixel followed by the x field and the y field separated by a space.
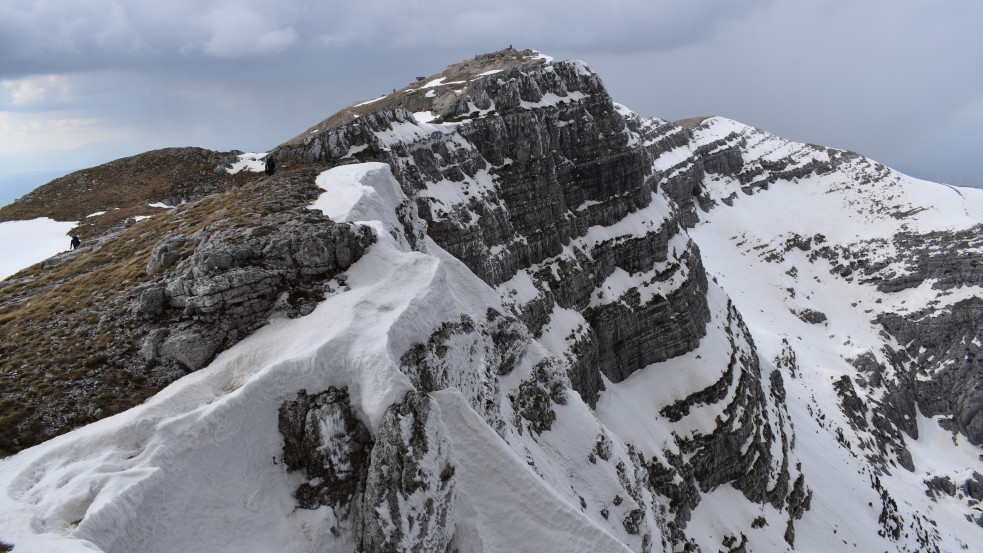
pixel 497 311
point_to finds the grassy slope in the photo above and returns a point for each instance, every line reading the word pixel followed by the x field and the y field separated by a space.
pixel 60 322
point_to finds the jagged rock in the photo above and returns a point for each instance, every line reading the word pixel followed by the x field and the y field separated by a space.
pixel 322 436
pixel 940 485
pixel 151 301
pixel 559 170
pixel 740 449
pixel 799 501
pixel 471 356
pixel 973 487
pixel 812 316
pixel 166 253
pixel 537 396
pixel 944 345
pixel 409 490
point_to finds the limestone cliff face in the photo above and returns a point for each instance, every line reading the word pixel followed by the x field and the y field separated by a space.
pixel 528 190
pixel 551 193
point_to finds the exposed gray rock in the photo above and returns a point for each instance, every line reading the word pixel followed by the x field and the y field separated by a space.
pixel 228 282
pixel 489 350
pixel 938 485
pixel 322 436
pixel 559 169
pixel 192 347
pixel 799 501
pixel 536 396
pixel 812 316
pixel 409 490
pixel 166 252
pixel 398 488
pixel 705 462
pixel 943 346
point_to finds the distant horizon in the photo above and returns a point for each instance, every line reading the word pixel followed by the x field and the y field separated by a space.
pixel 16 185
pixel 84 84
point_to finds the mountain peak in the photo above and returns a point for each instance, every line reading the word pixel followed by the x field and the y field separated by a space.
pixel 496 311
pixel 435 92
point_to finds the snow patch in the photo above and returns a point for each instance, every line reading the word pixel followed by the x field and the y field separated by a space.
pixel 251 161
pixel 24 243
pixel 372 101
pixel 424 116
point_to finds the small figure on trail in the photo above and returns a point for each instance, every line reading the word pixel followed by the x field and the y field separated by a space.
pixel 75 242
pixel 270 166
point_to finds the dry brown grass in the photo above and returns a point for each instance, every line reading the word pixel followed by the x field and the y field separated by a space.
pixel 414 98
pixel 58 323
pixel 692 122
pixel 123 188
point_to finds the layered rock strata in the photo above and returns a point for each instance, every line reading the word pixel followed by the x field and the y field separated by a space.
pixel 526 179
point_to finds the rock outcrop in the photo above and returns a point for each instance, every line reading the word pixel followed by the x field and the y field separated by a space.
pixel 223 267
pixel 530 187
pixel 541 189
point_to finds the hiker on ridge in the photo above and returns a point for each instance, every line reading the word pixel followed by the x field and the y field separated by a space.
pixel 75 242
pixel 270 166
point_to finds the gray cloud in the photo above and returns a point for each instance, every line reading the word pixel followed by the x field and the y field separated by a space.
pixel 63 35
pixel 894 79
pixel 878 77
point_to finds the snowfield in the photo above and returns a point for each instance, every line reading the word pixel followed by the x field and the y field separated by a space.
pixel 249 161
pixel 730 241
pixel 24 243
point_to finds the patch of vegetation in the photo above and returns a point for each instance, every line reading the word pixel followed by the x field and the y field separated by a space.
pixel 68 344
pixel 123 188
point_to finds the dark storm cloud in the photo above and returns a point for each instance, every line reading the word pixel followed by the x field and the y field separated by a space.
pixel 68 35
pixel 218 66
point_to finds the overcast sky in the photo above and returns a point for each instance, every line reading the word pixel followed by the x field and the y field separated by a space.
pixel 83 82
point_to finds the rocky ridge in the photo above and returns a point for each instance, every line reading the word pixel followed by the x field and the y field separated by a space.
pixel 148 302
pixel 610 363
pixel 528 177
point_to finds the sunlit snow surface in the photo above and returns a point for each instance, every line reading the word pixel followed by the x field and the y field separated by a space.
pixel 24 243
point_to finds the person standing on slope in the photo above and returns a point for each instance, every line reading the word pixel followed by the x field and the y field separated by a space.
pixel 270 166
pixel 75 242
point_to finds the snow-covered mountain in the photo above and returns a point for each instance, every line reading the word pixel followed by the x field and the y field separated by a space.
pixel 497 311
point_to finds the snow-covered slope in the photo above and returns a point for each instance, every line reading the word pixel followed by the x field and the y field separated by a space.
pixel 758 249
pixel 199 467
pixel 571 329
